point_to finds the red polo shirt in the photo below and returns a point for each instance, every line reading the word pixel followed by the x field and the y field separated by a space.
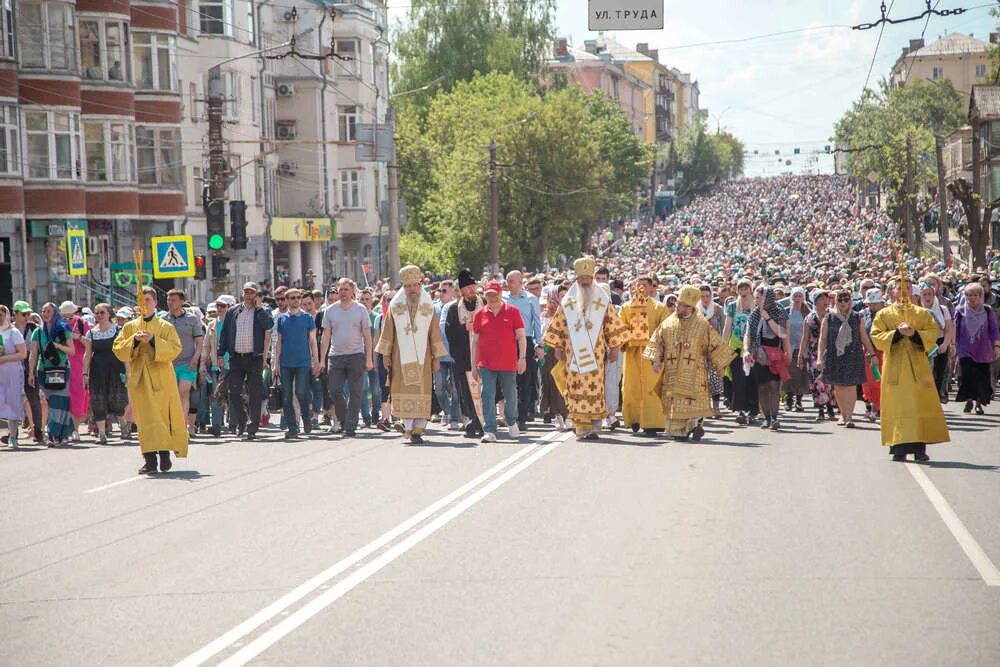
pixel 497 340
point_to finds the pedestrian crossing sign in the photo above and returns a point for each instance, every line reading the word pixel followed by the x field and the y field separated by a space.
pixel 173 257
pixel 76 252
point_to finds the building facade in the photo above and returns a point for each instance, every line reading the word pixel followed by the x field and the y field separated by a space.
pixel 962 59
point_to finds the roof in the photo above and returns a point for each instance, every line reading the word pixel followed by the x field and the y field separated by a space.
pixel 952 45
pixel 619 51
pixel 984 103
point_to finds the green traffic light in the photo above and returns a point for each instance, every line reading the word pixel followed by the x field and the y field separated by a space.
pixel 215 241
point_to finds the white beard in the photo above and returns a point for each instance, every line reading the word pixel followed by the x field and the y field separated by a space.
pixel 586 297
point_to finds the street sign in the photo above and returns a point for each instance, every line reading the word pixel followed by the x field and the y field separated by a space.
pixel 625 15
pixel 76 252
pixel 173 257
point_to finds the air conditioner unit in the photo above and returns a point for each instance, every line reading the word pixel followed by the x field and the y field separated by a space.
pixel 285 90
pixel 286 131
pixel 287 168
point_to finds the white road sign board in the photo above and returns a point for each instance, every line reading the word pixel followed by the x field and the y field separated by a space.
pixel 625 15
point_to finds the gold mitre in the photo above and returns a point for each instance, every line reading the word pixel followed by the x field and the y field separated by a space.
pixel 410 275
pixel 585 266
pixel 689 295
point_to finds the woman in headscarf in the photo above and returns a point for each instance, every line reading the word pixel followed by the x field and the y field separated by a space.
pixel 744 398
pixel 768 352
pixel 12 352
pixel 978 341
pixel 103 372
pixel 842 343
pixel 717 318
pixel 941 315
pixel 52 345
pixel 79 396
pixel 798 384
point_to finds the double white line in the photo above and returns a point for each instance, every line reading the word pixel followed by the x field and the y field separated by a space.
pixel 396 542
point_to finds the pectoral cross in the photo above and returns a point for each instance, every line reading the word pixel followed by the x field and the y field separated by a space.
pixel 410 328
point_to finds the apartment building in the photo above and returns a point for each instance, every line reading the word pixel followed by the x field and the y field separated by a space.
pixel 960 58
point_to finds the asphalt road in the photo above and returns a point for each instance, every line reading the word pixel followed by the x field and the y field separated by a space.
pixel 807 546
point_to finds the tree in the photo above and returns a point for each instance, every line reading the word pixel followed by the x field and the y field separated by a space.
pixel 731 154
pixel 456 39
pixel 566 160
pixel 891 133
pixel 994 53
pixel 698 158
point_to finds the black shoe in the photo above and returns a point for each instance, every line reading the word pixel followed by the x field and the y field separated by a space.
pixel 923 458
pixel 166 464
pixel 326 420
pixel 968 407
pixel 148 470
pixel 899 457
pixel 635 428
pixel 591 437
pixel 215 431
pixel 523 425
pixel 649 432
pixel 250 437
pixel 741 419
pixel 350 433
pixel 979 410
pixel 547 419
pixel 291 435
pixel 307 426
pixel 416 439
pixel 697 433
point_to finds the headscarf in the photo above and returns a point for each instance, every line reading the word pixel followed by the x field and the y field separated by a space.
pixel 57 325
pixel 756 323
pixel 974 320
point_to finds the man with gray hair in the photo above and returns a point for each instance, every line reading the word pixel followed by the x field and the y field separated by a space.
pixel 531 315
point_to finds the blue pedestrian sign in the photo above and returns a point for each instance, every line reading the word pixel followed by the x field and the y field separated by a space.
pixel 173 257
pixel 76 252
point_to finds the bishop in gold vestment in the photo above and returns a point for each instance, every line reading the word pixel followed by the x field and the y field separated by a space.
pixel 582 337
pixel 911 408
pixel 641 407
pixel 412 348
pixel 680 346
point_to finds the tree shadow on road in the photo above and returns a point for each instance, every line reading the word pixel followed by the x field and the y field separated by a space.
pixel 961 465
pixel 461 444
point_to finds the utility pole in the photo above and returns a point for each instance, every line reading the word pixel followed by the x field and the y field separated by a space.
pixel 907 184
pixel 943 229
pixel 394 263
pixel 494 212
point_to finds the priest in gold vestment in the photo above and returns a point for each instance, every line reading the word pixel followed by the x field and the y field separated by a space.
pixel 911 416
pixel 682 347
pixel 583 329
pixel 412 348
pixel 641 406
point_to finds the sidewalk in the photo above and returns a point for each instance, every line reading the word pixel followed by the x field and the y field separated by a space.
pixel 932 244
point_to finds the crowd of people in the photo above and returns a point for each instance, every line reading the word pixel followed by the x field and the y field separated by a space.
pixel 750 303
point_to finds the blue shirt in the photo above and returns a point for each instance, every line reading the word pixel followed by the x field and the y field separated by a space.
pixel 294 331
pixel 531 313
pixel 439 308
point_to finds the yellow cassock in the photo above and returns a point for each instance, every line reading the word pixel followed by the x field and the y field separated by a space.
pixel 911 408
pixel 640 383
pixel 152 386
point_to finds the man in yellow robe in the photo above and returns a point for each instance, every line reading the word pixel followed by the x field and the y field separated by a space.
pixel 412 348
pixel 148 346
pixel 583 329
pixel 911 416
pixel 680 347
pixel 641 407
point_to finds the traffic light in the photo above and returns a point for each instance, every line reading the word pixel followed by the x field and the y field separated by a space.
pixel 215 223
pixel 238 224
pixel 199 267
pixel 219 268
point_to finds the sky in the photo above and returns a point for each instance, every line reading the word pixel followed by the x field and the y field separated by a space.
pixel 782 91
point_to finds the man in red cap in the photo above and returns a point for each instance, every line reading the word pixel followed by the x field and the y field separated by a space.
pixel 498 350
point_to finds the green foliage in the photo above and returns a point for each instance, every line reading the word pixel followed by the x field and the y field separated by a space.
pixel 705 158
pixel 567 159
pixel 458 38
pixel 994 54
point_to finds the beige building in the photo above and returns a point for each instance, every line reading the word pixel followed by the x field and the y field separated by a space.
pixel 957 155
pixel 962 59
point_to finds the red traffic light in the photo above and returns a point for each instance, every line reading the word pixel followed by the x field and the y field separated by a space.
pixel 199 261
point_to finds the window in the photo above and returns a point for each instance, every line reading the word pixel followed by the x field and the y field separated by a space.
pixel 158 151
pixel 347 118
pixel 981 71
pixel 53 146
pixel 9 155
pixel 46 33
pixel 153 57
pixel 108 146
pixel 347 49
pixel 103 46
pixel 236 187
pixel 217 17
pixel 351 192
pixel 193 94
pixel 251 23
pixel 7 28
pixel 230 95
pixel 937 73
pixel 254 101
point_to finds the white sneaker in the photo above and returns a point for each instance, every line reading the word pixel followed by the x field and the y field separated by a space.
pixel 488 437
pixel 514 431
pixel 455 426
pixel 559 422
pixel 568 425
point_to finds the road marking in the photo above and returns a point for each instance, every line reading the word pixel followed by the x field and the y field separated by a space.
pixel 980 560
pixel 113 484
pixel 295 595
pixel 343 587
